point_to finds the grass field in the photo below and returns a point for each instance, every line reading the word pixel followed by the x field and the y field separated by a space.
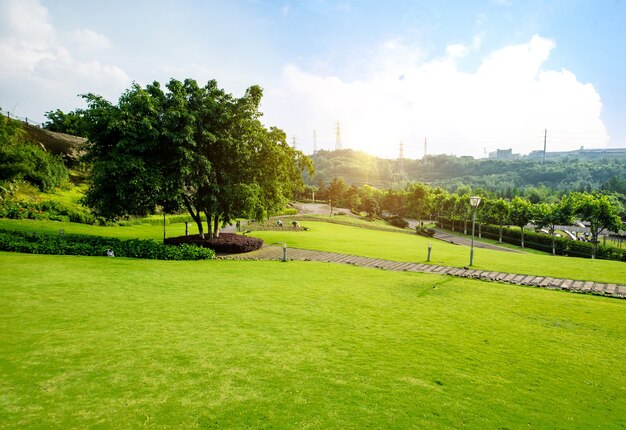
pixel 135 231
pixel 413 248
pixel 120 343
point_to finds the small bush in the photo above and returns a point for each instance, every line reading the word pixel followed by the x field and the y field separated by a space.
pixel 75 244
pixel 48 209
pixel 397 221
pixel 425 231
pixel 228 243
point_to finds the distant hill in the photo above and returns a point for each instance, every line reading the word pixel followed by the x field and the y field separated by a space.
pixel 505 177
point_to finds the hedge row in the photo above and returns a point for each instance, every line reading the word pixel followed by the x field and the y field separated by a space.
pixel 543 242
pixel 49 209
pixel 75 244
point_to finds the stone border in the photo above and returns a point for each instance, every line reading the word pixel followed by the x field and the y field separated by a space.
pixel 577 286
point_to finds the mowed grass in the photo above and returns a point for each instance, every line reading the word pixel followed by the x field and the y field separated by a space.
pixel 414 248
pixel 135 231
pixel 121 343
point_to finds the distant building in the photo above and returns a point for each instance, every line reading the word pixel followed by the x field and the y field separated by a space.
pixel 581 153
pixel 503 154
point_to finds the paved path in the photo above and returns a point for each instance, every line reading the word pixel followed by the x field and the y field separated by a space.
pixel 276 253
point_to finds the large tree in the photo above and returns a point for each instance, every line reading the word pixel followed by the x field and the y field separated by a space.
pixel 520 213
pixel 188 146
pixel 600 211
pixel 550 215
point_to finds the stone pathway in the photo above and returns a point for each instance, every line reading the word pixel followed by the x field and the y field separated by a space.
pixel 276 253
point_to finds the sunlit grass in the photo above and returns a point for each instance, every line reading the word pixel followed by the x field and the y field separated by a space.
pixel 414 248
pixel 120 343
pixel 130 231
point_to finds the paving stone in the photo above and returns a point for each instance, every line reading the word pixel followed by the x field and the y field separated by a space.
pixel 621 290
pixel 545 282
pixel 599 287
pixel 587 286
pixel 610 288
pixel 577 285
pixel 518 278
pixel 509 277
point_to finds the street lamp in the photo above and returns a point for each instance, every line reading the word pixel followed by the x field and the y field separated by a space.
pixel 474 202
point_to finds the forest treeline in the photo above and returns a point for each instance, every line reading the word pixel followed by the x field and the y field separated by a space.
pixel 601 211
pixel 531 179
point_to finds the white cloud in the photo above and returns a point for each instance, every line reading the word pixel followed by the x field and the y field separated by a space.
pixel 42 68
pixel 507 102
pixel 88 40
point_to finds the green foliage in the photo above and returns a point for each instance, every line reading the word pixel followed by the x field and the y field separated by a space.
pixel 70 123
pixel 601 211
pixel 425 231
pixel 73 244
pixel 48 209
pixel 188 146
pixel 397 221
pixel 21 160
pixel 532 179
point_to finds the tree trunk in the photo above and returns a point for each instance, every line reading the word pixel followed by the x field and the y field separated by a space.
pixel 553 247
pixel 500 238
pixel 208 224
pixel 465 227
pixel 194 215
pixel 522 237
pixel 480 233
pixel 594 238
pixel 216 226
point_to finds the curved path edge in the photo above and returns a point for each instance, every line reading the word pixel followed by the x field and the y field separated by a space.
pixel 296 254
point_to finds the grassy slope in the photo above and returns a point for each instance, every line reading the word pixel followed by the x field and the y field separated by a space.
pixel 138 231
pixel 97 342
pixel 370 243
pixel 401 247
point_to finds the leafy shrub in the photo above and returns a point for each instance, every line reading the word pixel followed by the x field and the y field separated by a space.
pixel 75 244
pixel 32 164
pixel 397 221
pixel 288 211
pixel 543 242
pixel 48 209
pixel 229 243
pixel 424 231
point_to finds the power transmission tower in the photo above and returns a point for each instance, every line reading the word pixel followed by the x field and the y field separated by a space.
pixel 337 136
pixel 401 154
pixel 424 160
pixel 314 141
pixel 293 142
pixel 545 140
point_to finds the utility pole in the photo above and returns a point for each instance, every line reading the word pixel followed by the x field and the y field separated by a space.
pixel 314 141
pixel 545 139
pixel 337 136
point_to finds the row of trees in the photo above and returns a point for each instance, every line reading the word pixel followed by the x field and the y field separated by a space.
pixel 600 211
pixel 187 146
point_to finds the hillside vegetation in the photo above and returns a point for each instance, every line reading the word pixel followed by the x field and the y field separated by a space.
pixel 505 178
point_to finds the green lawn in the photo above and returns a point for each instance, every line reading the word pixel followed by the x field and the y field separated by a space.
pixel 134 231
pixel 93 342
pixel 413 248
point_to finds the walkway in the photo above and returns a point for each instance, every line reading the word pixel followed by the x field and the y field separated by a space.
pixel 276 253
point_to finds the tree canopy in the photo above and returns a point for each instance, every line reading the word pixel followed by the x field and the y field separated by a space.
pixel 191 147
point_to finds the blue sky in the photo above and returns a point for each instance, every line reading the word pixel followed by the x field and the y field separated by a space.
pixel 469 76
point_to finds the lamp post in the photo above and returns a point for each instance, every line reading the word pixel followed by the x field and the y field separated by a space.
pixel 474 202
